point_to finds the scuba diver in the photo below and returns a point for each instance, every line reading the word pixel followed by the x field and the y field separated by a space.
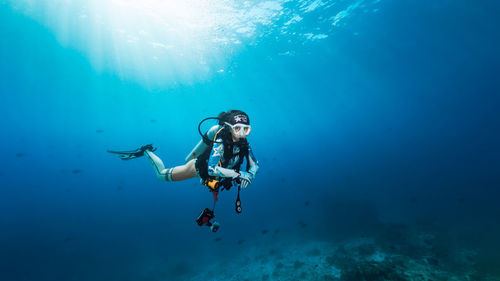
pixel 216 159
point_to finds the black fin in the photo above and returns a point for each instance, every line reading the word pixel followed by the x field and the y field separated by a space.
pixel 132 154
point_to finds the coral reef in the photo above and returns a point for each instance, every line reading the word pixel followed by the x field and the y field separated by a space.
pixel 397 254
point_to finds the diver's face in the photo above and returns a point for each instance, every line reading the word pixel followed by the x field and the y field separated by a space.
pixel 239 131
pixel 238 138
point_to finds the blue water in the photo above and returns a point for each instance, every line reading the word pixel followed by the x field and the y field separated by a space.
pixel 380 123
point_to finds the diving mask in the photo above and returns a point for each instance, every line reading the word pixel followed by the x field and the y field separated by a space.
pixel 240 130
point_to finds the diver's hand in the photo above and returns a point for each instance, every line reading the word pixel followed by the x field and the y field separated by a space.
pixel 244 183
pixel 245 179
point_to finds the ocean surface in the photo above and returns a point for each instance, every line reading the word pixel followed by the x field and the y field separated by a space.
pixel 375 124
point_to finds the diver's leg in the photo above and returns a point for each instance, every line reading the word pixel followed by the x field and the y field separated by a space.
pixel 161 172
pixel 184 172
pixel 171 174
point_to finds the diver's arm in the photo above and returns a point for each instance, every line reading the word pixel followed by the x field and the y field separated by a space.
pixel 252 161
pixel 247 177
pixel 213 163
pixel 202 146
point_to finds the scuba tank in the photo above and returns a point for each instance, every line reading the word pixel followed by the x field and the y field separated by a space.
pixel 197 151
pixel 203 144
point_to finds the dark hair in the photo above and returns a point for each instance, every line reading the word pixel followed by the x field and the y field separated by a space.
pixel 226 116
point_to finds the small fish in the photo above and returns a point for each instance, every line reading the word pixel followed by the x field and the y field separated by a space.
pixel 217 239
pixel 241 241
pixel 302 224
pixel 20 154
pixel 99 131
pixel 76 171
pixel 152 121
pixel 307 203
pixel 265 231
pixel 297 264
